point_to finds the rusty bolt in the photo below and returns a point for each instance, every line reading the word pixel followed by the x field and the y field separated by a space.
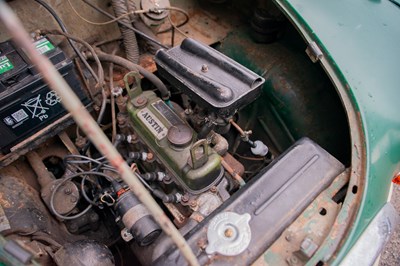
pixel 67 191
pixel 228 232
pixel 121 118
pixel 193 203
pixel 141 100
pixel 202 243
pixel 213 189
pixel 204 68
pixel 185 198
pixel 150 156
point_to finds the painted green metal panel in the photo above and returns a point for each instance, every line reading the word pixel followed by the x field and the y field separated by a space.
pixel 361 40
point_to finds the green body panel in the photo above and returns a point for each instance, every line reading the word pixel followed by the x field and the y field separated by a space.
pixel 360 40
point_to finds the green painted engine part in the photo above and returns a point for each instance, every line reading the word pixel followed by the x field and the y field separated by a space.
pixel 194 165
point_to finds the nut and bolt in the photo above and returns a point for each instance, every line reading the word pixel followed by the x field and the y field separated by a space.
pixel 202 243
pixel 204 68
pixel 193 203
pixel 185 198
pixel 150 156
pixel 140 100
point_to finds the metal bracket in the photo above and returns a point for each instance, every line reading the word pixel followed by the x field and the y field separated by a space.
pixel 314 52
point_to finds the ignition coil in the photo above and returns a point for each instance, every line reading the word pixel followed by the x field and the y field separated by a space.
pixel 135 217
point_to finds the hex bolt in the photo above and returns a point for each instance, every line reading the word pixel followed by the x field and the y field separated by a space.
pixel 140 100
pixel 150 156
pixel 193 203
pixel 185 198
pixel 202 243
pixel 67 191
pixel 204 68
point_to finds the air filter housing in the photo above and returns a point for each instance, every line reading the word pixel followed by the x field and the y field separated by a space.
pixel 211 79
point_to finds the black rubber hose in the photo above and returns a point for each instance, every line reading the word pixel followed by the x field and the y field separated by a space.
pixel 64 29
pixel 166 198
pixel 129 38
pixel 165 93
pixel 205 130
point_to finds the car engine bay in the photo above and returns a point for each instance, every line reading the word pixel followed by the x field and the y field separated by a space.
pixel 233 155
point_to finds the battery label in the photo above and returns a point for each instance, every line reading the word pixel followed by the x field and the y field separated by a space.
pixel 31 112
pixel 43 46
pixel 5 64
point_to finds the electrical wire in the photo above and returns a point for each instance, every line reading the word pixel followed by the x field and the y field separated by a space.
pixel 64 29
pixel 87 45
pixel 53 193
pixel 144 182
pixel 165 93
pixel 145 36
pixel 83 181
pixel 105 22
pixel 83 118
pixel 68 159
pixel 113 115
pixel 173 26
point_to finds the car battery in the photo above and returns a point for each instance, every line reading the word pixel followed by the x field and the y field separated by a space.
pixel 27 104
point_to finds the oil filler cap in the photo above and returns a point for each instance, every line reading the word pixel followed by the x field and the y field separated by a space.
pixel 228 234
pixel 180 135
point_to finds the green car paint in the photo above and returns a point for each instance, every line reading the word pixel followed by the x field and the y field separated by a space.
pixel 360 42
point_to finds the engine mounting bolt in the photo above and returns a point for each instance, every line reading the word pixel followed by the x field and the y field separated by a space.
pixel 213 189
pixel 193 203
pixel 67 191
pixel 204 68
pixel 185 198
pixel 228 232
